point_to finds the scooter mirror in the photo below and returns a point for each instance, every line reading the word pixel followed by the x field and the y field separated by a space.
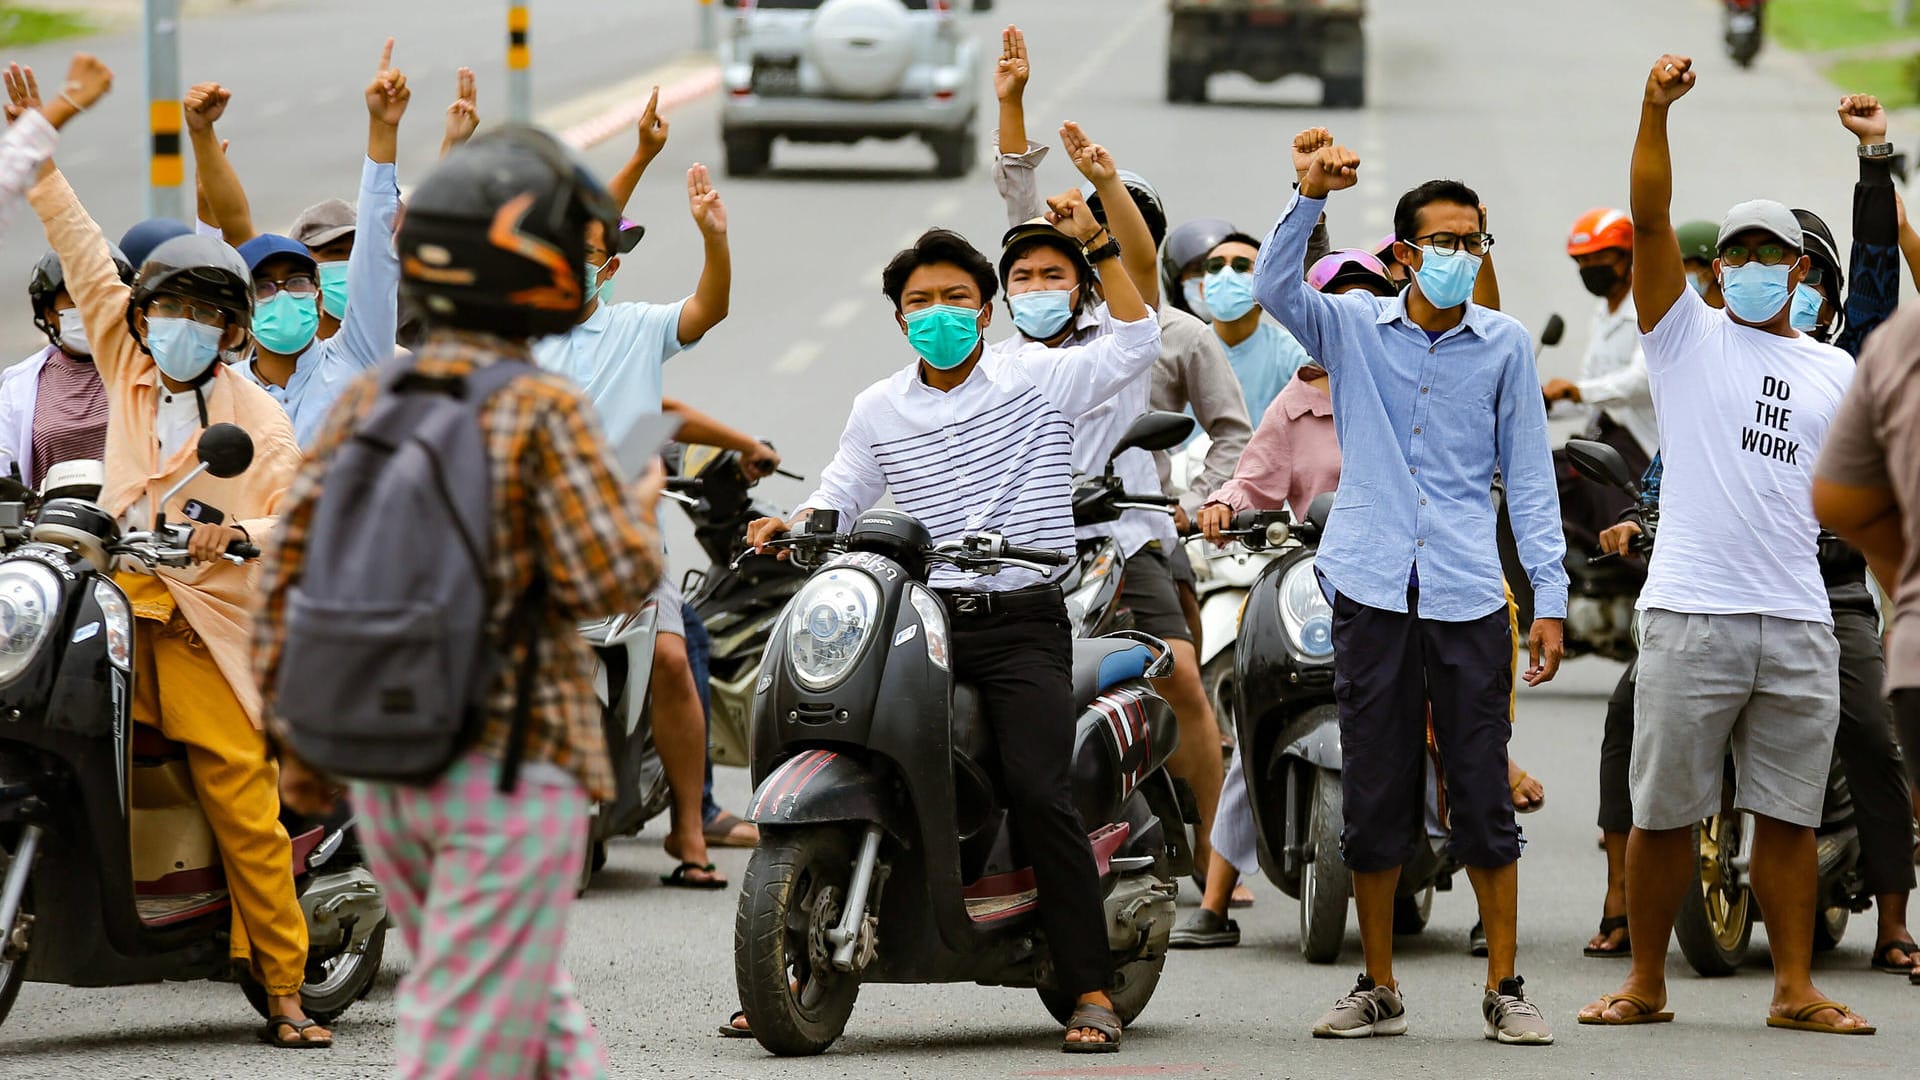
pixel 1551 334
pixel 821 523
pixel 226 450
pixel 1600 463
pixel 1154 431
pixel 1320 510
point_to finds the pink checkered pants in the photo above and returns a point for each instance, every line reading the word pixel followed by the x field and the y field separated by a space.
pixel 479 884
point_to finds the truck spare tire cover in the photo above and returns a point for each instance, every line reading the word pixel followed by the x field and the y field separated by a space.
pixel 862 47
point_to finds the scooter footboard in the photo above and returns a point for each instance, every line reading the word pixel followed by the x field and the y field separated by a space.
pixel 818 787
pixel 1122 736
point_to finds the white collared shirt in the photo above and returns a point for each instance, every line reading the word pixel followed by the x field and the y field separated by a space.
pixel 1613 374
pixel 993 454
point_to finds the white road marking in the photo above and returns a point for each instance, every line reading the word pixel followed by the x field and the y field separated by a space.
pixel 1377 216
pixel 797 358
pixel 78 158
pixel 1098 59
pixel 945 208
pixel 840 314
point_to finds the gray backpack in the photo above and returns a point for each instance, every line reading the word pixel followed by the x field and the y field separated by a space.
pixel 388 661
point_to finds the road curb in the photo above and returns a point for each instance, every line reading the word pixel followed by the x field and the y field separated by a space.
pixel 611 111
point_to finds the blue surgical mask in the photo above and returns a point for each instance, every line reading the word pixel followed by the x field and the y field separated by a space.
pixel 1446 280
pixel 1042 313
pixel 286 323
pixel 333 288
pixel 1806 308
pixel 597 291
pixel 1754 292
pixel 183 349
pixel 1229 294
pixel 1195 290
pixel 944 335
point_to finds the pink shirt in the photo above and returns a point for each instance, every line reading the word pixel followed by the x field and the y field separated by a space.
pixel 1293 456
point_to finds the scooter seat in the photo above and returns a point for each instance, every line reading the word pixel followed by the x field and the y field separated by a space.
pixel 150 745
pixel 1100 663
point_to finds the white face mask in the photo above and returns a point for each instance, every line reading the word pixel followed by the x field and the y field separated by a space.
pixel 73 333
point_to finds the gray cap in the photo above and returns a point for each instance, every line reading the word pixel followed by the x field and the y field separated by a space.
pixel 323 223
pixel 1765 215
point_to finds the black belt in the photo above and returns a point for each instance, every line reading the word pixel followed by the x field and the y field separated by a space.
pixel 1033 600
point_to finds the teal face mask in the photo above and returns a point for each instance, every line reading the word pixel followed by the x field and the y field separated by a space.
pixel 599 291
pixel 1806 308
pixel 1041 314
pixel 286 323
pixel 1446 280
pixel 333 288
pixel 944 335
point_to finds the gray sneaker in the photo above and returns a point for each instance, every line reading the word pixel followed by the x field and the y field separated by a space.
pixel 1511 1018
pixel 1369 1010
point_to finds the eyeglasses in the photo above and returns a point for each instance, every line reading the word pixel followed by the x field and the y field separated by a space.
pixel 1447 243
pixel 300 285
pixel 1815 275
pixel 1765 254
pixel 179 307
pixel 1240 263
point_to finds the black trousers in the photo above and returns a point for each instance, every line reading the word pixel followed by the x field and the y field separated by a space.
pixel 1864 742
pixel 1020 662
pixel 1389 667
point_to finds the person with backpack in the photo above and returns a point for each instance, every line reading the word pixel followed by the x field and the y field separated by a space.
pixel 156 346
pixel 460 516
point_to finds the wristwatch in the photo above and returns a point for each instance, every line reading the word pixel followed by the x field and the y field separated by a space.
pixel 1875 150
pixel 1108 250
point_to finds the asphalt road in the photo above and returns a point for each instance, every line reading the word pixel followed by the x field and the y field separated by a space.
pixel 1536 110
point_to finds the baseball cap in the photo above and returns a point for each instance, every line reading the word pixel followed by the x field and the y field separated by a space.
pixel 323 223
pixel 1765 215
pixel 629 236
pixel 1699 240
pixel 270 245
pixel 142 237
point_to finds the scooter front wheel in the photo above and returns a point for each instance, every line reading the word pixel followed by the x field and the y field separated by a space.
pixel 13 953
pixel 795 892
pixel 1325 883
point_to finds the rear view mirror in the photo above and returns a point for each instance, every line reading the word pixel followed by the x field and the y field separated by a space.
pixel 821 523
pixel 1601 464
pixel 226 450
pixel 1320 510
pixel 1154 431
pixel 1551 334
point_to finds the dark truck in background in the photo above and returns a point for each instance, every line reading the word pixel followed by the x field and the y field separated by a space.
pixel 1268 40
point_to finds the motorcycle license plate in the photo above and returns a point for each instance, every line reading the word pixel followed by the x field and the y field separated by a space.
pixel 1741 22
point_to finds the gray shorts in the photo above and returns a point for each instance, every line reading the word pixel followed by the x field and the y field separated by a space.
pixel 1767 687
pixel 670 619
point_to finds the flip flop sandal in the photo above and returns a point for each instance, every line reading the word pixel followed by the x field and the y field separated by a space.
pixel 1514 790
pixel 1646 1015
pixel 1800 1021
pixel 681 879
pixel 270 1034
pixel 720 831
pixel 1236 902
pixel 1607 926
pixel 728 1030
pixel 1882 963
pixel 1099 1018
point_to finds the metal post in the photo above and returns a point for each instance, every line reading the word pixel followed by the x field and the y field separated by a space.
pixel 519 64
pixel 709 26
pixel 1902 11
pixel 166 197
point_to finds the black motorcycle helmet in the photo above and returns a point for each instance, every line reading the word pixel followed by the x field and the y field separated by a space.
pixel 495 238
pixel 203 268
pixel 1144 197
pixel 1028 235
pixel 1817 241
pixel 48 278
pixel 1187 244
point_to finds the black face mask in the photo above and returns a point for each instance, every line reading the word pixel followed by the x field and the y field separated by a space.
pixel 1600 279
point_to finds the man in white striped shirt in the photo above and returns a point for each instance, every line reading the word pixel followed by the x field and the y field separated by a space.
pixel 966 440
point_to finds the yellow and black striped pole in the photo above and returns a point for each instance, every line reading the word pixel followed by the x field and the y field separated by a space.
pixel 519 64
pixel 166 172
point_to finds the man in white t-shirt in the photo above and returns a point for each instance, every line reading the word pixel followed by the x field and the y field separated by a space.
pixel 1736 634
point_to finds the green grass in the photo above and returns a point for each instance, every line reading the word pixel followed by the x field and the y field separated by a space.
pixel 21 26
pixel 1820 25
pixel 1895 80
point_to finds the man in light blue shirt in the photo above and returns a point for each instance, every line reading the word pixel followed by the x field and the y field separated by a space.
pixel 617 353
pixel 1264 355
pixel 1432 394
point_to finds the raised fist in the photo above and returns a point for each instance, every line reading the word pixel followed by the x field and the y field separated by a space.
pixel 205 104
pixel 1672 76
pixel 1862 115
pixel 1334 168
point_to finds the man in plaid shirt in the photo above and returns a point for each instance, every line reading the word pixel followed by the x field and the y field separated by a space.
pixel 479 882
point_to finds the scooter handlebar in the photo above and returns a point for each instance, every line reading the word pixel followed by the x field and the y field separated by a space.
pixel 1043 556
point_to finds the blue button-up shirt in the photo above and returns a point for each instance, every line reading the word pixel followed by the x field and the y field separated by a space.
pixel 1423 424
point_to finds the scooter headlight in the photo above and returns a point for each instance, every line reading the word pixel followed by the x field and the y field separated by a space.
pixel 1305 613
pixel 1081 600
pixel 29 593
pixel 119 623
pixel 828 624
pixel 933 625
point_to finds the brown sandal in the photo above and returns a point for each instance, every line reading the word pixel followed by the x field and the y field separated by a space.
pixel 1098 1018
pixel 297 1038
pixel 1801 1019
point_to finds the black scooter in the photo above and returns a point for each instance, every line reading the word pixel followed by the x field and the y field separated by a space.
pixel 1093 586
pixel 111 874
pixel 1289 739
pixel 884 850
pixel 1716 920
